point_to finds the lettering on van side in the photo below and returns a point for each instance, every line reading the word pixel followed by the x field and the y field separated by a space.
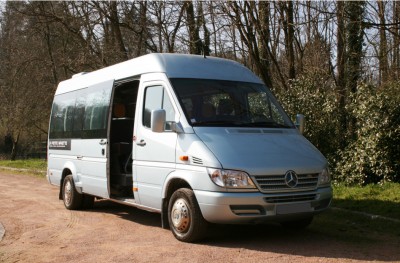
pixel 64 144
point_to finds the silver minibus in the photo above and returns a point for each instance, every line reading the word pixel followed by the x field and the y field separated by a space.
pixel 197 139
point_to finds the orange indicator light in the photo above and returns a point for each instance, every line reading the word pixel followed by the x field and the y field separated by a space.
pixel 184 158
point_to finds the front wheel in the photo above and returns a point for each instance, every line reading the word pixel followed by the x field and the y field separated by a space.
pixel 71 198
pixel 184 216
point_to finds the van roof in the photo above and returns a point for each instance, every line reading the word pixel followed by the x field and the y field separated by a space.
pixel 173 65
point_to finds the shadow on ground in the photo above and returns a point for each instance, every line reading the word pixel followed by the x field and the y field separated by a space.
pixel 315 241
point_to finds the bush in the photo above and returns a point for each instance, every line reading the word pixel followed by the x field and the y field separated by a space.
pixel 374 155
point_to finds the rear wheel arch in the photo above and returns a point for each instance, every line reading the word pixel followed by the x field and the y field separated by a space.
pixel 64 174
pixel 71 198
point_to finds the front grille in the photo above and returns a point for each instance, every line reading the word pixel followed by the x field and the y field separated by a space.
pixel 274 183
pixel 290 198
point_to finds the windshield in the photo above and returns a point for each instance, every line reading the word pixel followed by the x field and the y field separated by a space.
pixel 229 103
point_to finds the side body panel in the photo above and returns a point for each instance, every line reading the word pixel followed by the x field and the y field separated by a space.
pixel 154 153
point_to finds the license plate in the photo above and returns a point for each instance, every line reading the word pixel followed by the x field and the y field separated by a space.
pixel 293 208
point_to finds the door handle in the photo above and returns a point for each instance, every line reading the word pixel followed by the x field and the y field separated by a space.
pixel 141 143
pixel 103 142
pixel 79 157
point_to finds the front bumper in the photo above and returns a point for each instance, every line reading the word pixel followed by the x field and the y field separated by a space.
pixel 228 208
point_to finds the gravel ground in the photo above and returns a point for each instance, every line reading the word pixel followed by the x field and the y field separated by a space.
pixel 39 229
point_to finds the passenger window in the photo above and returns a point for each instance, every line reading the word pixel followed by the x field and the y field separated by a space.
pixel 62 116
pixel 96 113
pixel 80 114
pixel 156 98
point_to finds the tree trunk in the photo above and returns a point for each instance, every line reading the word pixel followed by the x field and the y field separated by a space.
pixel 341 83
pixel 354 41
pixel 383 58
pixel 194 39
pixel 286 10
pixel 123 55
pixel 14 147
pixel 264 35
pixel 292 70
pixel 396 41
pixel 143 30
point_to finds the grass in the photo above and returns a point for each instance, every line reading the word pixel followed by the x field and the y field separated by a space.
pixel 344 224
pixel 383 200
pixel 355 228
pixel 32 164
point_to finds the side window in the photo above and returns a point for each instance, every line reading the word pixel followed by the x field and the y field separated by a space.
pixel 96 113
pixel 81 114
pixel 62 116
pixel 156 98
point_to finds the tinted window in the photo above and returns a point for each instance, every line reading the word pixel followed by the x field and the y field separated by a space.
pixel 81 114
pixel 208 102
pixel 96 113
pixel 62 116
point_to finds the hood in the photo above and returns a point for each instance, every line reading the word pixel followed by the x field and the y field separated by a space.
pixel 262 151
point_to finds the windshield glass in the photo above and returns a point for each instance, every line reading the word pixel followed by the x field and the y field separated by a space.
pixel 209 102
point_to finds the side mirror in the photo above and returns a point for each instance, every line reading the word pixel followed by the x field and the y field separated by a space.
pixel 300 122
pixel 158 118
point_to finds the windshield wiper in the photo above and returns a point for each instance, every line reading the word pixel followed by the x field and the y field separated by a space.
pixel 222 123
pixel 217 123
pixel 267 124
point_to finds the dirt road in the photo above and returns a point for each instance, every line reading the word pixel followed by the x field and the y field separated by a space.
pixel 39 229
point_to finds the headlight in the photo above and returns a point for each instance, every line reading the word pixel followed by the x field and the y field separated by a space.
pixel 324 177
pixel 230 178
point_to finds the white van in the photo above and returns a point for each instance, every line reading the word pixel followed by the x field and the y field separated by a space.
pixel 196 139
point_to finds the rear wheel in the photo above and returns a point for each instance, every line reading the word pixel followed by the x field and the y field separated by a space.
pixel 184 216
pixel 71 198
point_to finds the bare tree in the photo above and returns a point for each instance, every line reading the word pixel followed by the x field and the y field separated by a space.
pixel 383 47
pixel 195 45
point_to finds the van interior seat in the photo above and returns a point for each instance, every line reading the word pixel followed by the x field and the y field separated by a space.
pixel 208 110
pixel 225 107
pixel 119 110
pixel 122 151
pixel 121 169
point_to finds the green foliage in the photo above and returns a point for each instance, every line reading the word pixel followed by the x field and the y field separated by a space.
pixel 374 155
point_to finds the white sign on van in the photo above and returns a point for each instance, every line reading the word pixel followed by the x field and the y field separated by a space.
pixel 64 144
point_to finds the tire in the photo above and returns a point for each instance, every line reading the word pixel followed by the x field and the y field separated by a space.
pixel 184 216
pixel 71 198
pixel 298 224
